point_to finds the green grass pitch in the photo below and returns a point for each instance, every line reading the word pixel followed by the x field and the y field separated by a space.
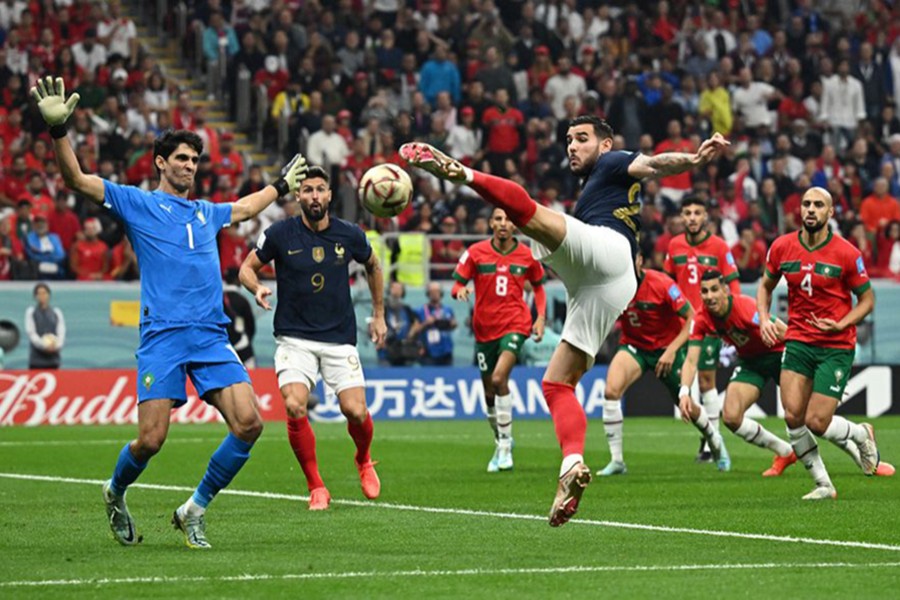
pixel 443 527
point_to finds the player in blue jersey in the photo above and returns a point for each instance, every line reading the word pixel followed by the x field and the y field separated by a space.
pixel 182 320
pixel 315 324
pixel 592 252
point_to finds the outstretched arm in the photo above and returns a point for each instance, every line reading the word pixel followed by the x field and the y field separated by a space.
pixel 292 175
pixel 50 95
pixel 673 163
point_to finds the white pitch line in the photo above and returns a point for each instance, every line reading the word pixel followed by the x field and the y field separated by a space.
pixel 447 573
pixel 483 513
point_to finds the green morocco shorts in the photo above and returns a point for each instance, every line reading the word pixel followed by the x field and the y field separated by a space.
pixel 647 360
pixel 829 368
pixel 487 353
pixel 757 370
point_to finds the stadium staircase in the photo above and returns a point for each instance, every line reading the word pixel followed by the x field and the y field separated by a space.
pixel 155 35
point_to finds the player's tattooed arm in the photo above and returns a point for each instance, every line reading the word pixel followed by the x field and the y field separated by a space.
pixel 375 279
pixel 673 163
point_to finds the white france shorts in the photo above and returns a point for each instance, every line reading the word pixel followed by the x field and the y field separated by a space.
pixel 595 264
pixel 302 361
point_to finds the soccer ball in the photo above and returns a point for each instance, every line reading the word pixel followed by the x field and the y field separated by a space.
pixel 385 190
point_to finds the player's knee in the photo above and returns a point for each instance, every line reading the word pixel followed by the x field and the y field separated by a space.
pixel 250 430
pixel 732 418
pixel 149 444
pixel 499 382
pixel 355 413
pixel 794 419
pixel 295 407
pixel 612 391
pixel 817 424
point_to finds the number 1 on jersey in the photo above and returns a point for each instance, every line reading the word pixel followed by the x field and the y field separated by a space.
pixel 190 236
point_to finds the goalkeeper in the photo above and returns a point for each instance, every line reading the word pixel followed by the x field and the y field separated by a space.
pixel 182 320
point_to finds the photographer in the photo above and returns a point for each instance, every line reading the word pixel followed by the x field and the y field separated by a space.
pixel 434 327
pixel 401 346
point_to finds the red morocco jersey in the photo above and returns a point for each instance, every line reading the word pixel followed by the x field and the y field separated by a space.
pixel 654 316
pixel 819 283
pixel 499 288
pixel 740 328
pixel 686 263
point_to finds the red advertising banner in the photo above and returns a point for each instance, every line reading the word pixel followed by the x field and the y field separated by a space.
pixel 100 397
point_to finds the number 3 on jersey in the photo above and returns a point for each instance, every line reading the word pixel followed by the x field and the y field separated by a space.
pixel 806 284
pixel 693 274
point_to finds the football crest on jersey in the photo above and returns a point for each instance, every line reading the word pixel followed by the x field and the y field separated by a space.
pixel 318 254
pixel 339 253
pixel 148 380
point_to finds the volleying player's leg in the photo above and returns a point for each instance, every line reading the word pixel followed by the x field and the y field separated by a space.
pixel 739 396
pixel 153 427
pixel 567 365
pixel 503 404
pixel 623 371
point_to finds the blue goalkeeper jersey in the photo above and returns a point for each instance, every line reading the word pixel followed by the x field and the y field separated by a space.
pixel 178 256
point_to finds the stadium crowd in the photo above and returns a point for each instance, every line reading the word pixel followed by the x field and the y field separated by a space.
pixel 807 92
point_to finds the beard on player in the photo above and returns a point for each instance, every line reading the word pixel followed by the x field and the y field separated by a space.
pixel 315 210
pixel 583 167
pixel 813 225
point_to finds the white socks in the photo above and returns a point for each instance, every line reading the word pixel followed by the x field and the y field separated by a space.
pixel 192 509
pixel 704 424
pixel 756 434
pixel 808 452
pixel 612 424
pixel 492 419
pixel 841 430
pixel 569 462
pixel 713 405
pixel 503 407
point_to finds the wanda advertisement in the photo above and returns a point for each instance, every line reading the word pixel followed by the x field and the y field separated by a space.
pixel 101 397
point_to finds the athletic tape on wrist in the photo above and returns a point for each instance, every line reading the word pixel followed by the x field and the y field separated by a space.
pixel 58 131
pixel 684 391
pixel 282 187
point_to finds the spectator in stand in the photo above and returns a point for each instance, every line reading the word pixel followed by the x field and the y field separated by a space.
pixel 439 75
pixel 231 164
pixel 46 330
pixel 119 34
pixel 674 187
pixel 446 252
pixel 89 258
pixel 435 324
pixel 63 221
pixel 218 37
pixel 36 193
pixel 879 208
pixel 749 254
pixel 494 74
pixel 870 73
pixel 44 250
pixel 861 240
pixel 123 262
pixel 401 347
pixel 843 106
pixel 715 105
pixel 888 263
pixel 11 253
pixel 751 101
pixel 326 147
pixel 563 84
pixel 465 139
pixel 503 125
pixel 15 181
pixel 88 53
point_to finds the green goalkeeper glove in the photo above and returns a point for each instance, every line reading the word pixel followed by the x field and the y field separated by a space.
pixel 292 175
pixel 50 95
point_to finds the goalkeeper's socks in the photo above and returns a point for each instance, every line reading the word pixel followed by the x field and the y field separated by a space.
pixel 127 470
pixel 225 463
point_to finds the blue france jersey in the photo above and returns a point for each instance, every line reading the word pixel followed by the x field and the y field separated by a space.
pixel 610 196
pixel 312 270
pixel 175 243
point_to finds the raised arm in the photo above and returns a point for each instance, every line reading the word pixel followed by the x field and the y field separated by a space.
pixel 50 95
pixel 292 175
pixel 673 163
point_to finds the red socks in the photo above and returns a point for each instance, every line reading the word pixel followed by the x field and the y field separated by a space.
pixel 362 437
pixel 303 443
pixel 506 194
pixel 569 419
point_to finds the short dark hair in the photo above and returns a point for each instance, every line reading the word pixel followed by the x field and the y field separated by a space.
pixel 689 200
pixel 39 286
pixel 317 172
pixel 711 274
pixel 602 129
pixel 166 144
